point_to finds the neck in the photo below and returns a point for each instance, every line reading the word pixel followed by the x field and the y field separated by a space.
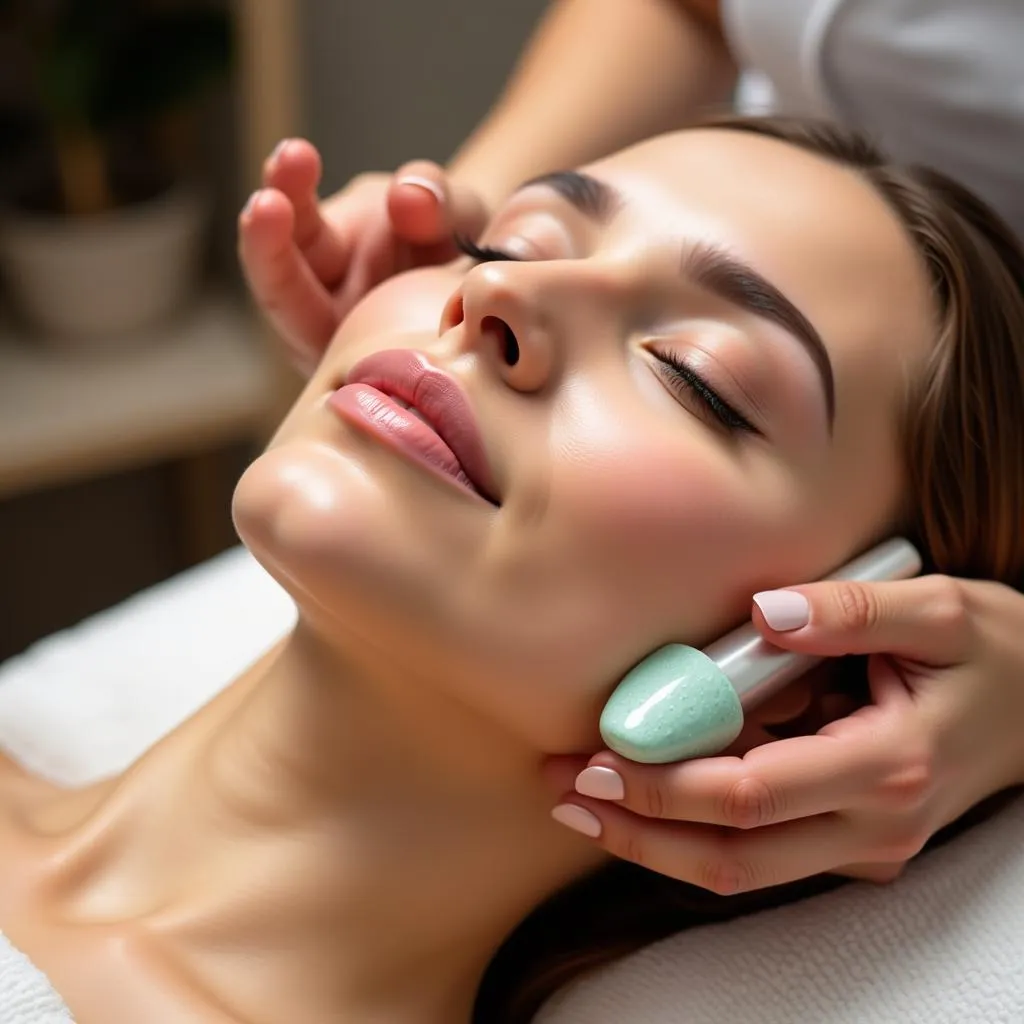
pixel 365 840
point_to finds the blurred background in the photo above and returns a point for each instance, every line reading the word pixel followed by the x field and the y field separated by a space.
pixel 135 379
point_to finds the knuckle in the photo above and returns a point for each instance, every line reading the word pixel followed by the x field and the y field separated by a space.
pixel 912 783
pixel 652 800
pixel 856 605
pixel 726 875
pixel 886 873
pixel 949 610
pixel 630 846
pixel 750 802
pixel 880 873
pixel 902 842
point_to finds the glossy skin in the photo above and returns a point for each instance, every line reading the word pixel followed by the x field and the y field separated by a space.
pixel 610 482
pixel 384 762
pixel 587 85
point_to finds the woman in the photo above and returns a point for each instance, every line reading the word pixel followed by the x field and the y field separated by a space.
pixel 687 391
pixel 937 83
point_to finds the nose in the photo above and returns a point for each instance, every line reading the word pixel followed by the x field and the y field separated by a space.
pixel 501 309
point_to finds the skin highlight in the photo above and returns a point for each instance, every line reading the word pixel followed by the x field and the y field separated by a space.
pixel 383 763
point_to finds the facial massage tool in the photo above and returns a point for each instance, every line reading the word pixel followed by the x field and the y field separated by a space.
pixel 680 703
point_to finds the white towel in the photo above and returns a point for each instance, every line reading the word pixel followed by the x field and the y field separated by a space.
pixel 943 945
pixel 26 997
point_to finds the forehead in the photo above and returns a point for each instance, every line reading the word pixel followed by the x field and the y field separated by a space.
pixel 818 231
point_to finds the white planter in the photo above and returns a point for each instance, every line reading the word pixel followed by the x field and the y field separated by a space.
pixel 94 282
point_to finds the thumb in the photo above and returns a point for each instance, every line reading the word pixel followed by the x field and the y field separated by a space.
pixel 922 619
pixel 426 207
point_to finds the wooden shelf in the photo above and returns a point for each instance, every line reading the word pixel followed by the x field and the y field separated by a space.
pixel 205 380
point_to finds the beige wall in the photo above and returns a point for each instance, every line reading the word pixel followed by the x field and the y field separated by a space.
pixel 390 80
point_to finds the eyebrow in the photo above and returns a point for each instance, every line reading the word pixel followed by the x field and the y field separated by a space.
pixel 709 267
pixel 721 273
pixel 594 198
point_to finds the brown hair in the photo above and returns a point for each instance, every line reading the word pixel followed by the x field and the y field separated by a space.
pixel 963 441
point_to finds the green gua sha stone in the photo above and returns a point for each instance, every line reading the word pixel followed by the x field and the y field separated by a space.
pixel 674 705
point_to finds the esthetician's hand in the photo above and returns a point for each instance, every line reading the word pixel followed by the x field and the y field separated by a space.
pixel 863 794
pixel 308 263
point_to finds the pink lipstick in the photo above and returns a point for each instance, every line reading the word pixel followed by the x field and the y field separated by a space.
pixel 420 411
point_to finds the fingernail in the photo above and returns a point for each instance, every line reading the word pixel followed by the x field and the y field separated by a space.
pixel 431 186
pixel 600 783
pixel 277 151
pixel 250 203
pixel 578 819
pixel 783 610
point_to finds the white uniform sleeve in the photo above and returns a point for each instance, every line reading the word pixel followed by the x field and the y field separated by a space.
pixel 938 82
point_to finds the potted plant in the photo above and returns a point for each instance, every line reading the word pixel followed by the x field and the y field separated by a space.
pixel 104 236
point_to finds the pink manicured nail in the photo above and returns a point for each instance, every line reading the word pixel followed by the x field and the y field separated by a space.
pixel 783 610
pixel 600 783
pixel 578 819
pixel 432 187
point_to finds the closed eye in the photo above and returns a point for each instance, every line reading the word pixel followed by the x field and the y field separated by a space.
pixel 481 253
pixel 680 378
pixel 686 383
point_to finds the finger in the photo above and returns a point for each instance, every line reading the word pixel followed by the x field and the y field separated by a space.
pixel 295 169
pixel 835 769
pixel 376 256
pixel 281 280
pixel 724 861
pixel 880 874
pixel 922 619
pixel 294 162
pixel 427 208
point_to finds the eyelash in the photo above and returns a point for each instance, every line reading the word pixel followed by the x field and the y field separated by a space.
pixel 683 377
pixel 482 253
pixel 680 375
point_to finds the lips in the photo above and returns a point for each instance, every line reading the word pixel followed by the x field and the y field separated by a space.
pixel 420 410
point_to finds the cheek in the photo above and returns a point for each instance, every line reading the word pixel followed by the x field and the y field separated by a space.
pixel 639 546
pixel 657 506
pixel 412 301
pixel 640 543
pixel 675 529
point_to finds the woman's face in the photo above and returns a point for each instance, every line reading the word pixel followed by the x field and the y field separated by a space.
pixel 687 388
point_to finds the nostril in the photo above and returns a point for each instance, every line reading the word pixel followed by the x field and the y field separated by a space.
pixel 509 344
pixel 453 314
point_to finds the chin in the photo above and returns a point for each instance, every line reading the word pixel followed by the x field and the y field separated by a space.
pixel 393 561
pixel 304 511
pixel 350 534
